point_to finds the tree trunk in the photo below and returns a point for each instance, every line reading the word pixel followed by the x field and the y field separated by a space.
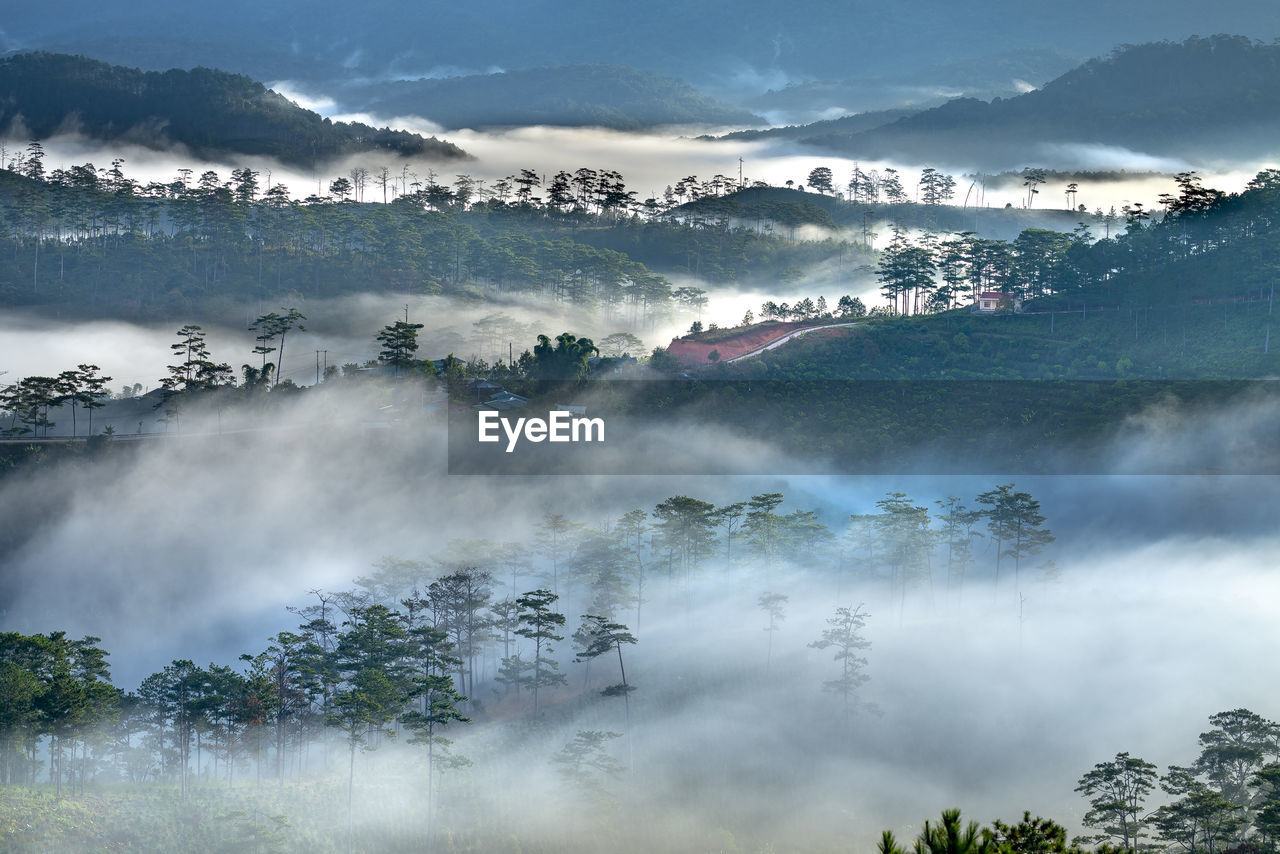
pixel 351 780
pixel 626 705
pixel 431 743
pixel 279 361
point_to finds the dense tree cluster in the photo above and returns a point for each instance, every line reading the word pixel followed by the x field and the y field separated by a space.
pixel 28 401
pixel 1228 799
pixel 99 239
pixel 1175 258
pixel 928 274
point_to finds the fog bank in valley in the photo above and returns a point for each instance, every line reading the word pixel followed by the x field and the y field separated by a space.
pixel 651 161
pixel 992 698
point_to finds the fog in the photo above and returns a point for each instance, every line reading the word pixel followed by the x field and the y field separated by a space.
pixel 993 699
pixel 652 161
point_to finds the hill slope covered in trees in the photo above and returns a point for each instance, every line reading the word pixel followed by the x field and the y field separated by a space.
pixel 1218 95
pixel 210 112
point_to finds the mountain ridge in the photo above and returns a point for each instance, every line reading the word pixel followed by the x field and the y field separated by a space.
pixel 1216 96
pixel 209 111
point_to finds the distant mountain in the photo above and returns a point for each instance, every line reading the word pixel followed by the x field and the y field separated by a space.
pixel 914 87
pixel 720 46
pixel 210 112
pixel 1216 97
pixel 612 96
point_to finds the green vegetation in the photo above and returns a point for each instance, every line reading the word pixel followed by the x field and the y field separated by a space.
pixel 1224 341
pixel 961 427
pixel 988 394
pixel 1189 296
pixel 110 246
pixel 434 703
pixel 1119 325
pixel 1223 802
pixel 96 241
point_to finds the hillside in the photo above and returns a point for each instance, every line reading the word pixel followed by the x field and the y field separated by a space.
pixel 210 112
pixel 695 350
pixel 1189 296
pixel 1216 96
pixel 598 95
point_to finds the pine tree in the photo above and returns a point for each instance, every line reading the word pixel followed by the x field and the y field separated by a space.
pixel 399 342
pixel 539 624
pixel 1117 790
pixel 845 635
pixel 773 604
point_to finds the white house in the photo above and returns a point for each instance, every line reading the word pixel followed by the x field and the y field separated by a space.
pixel 988 302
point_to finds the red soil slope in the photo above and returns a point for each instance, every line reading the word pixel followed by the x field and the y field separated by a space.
pixel 693 353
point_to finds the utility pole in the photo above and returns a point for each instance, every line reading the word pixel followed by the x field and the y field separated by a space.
pixel 739 173
pixel 406 312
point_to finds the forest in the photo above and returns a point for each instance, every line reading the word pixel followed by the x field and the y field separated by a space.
pixel 520 692
pixel 480 637
pixel 95 241
pixel 997 507
pixel 98 240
